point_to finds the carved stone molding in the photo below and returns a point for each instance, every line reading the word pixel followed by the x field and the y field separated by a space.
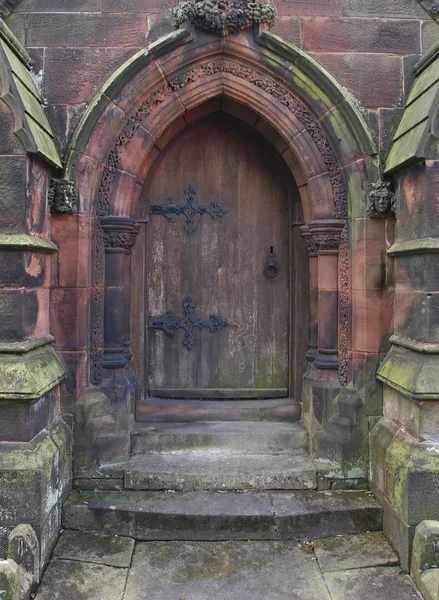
pixel 63 196
pixel 119 232
pixel 322 237
pixel 381 200
pixel 222 16
pixel 222 65
pixel 343 309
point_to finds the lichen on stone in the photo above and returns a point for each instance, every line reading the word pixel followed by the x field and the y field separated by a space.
pixel 222 16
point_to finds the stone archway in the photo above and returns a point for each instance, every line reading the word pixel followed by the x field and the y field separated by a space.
pixel 322 137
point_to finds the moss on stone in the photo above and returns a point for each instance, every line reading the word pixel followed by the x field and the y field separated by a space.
pixel 29 375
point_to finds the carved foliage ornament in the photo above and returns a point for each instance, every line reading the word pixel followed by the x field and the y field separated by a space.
pixel 322 243
pixel 381 200
pixel 63 196
pixel 222 16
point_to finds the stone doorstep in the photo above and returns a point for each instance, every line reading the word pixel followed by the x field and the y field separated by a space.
pixel 209 471
pixel 241 437
pixel 206 516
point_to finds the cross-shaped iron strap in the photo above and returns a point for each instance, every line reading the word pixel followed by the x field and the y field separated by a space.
pixel 170 209
pixel 189 322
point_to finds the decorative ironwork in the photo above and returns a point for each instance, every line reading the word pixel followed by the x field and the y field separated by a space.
pixel 189 322
pixel 170 210
pixel 271 267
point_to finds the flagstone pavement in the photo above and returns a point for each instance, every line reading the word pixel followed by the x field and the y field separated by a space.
pixel 87 566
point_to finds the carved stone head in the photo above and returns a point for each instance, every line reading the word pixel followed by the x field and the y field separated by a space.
pixel 382 200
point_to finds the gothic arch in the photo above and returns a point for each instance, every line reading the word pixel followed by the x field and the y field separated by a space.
pixel 299 107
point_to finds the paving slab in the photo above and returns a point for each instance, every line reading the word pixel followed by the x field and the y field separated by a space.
pixel 73 580
pixel 376 583
pixel 370 549
pixel 224 571
pixel 108 550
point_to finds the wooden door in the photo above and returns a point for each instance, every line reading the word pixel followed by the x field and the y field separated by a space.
pixel 218 320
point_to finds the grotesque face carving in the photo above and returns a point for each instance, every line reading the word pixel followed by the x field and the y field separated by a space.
pixel 382 200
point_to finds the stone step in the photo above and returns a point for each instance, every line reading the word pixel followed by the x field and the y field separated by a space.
pixel 300 515
pixel 164 409
pixel 240 437
pixel 220 470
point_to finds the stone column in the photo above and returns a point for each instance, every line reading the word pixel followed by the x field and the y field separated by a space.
pixel 311 353
pixel 119 238
pixel 323 239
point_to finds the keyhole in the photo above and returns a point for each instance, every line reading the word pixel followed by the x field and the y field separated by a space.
pixel 271 249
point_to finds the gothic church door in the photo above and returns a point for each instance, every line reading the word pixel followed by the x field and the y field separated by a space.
pixel 217 267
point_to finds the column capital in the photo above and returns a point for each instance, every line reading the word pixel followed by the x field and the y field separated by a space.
pixel 119 232
pixel 322 237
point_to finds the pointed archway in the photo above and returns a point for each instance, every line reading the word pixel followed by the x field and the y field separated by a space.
pixel 322 137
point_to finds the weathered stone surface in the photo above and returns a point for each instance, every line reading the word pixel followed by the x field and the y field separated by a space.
pixel 86 29
pixel 315 514
pixel 161 515
pixel 72 580
pixel 377 8
pixel 91 548
pixel 12 200
pixel 381 81
pixel 91 67
pixel 216 516
pixel 247 570
pixel 239 437
pixel 24 549
pixel 372 583
pixel 369 549
pixel 58 6
pixel 10 585
pixel 361 35
pixel 220 471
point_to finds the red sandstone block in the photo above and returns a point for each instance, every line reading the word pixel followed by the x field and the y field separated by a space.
pixel 70 308
pixel 376 80
pixel 73 234
pixel 74 75
pixel 372 314
pixel 29 6
pixel 311 8
pixel 383 8
pixel 136 6
pixel 361 35
pixel 86 29
pixel 290 28
pixel 368 253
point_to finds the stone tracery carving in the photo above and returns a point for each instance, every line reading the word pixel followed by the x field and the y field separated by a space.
pixel 222 16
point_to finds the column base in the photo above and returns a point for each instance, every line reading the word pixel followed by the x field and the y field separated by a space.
pixel 326 361
pixel 114 359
